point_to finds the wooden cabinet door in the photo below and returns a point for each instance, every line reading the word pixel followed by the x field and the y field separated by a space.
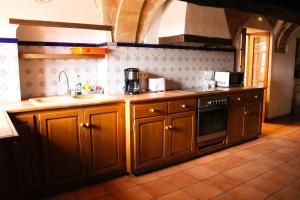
pixel 62 144
pixel 150 142
pixel 181 134
pixel 104 139
pixel 30 152
pixel 236 124
pixel 253 125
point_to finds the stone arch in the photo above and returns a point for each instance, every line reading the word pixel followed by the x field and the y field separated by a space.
pixel 283 32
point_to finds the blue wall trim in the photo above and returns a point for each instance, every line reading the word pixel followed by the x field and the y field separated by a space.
pixel 163 46
pixel 8 40
pixel 61 44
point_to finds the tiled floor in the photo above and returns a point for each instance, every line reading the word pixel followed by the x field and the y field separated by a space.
pixel 266 168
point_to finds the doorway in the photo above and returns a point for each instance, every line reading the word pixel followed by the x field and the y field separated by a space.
pixel 257 46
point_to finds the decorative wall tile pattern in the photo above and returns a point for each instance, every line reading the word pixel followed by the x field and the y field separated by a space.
pixel 9 73
pixel 182 68
pixel 39 77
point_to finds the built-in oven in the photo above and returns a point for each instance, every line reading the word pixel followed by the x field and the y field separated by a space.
pixel 211 121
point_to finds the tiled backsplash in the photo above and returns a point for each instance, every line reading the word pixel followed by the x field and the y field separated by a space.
pixel 9 72
pixel 39 77
pixel 182 68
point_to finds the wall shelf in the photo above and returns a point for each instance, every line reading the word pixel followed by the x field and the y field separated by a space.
pixel 58 56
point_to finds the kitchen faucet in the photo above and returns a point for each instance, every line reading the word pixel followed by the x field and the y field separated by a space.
pixel 68 85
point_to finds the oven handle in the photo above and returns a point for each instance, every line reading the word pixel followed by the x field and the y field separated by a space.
pixel 210 108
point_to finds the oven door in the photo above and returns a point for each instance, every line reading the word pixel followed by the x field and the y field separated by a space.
pixel 212 123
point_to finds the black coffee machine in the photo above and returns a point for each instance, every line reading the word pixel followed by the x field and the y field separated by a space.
pixel 132 81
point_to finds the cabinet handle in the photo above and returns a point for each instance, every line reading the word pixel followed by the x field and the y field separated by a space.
pixel 255 96
pixel 170 127
pixel 88 125
pixel 183 106
pixel 82 125
pixel 238 98
pixel 152 110
pixel 166 127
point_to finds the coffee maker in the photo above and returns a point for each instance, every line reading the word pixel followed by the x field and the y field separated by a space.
pixel 132 81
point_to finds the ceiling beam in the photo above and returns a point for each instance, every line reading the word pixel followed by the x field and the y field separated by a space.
pixel 286 10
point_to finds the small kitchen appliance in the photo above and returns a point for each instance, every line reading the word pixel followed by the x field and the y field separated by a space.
pixel 132 81
pixel 157 84
pixel 229 79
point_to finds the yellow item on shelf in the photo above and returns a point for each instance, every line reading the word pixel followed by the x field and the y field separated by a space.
pixel 86 86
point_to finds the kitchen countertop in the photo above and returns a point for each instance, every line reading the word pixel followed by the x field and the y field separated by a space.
pixel 7 129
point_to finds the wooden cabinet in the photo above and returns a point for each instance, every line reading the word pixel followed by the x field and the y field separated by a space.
pixel 150 141
pixel 63 146
pixel 104 140
pixel 160 137
pixel 81 143
pixel 182 134
pixel 244 117
pixel 30 154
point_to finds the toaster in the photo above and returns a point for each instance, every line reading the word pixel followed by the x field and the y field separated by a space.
pixel 157 84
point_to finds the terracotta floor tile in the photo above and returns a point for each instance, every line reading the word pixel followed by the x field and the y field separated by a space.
pixel 177 195
pixel 280 176
pixel 63 196
pixel 225 163
pixel 280 141
pixel 288 193
pixel 273 197
pixel 201 172
pixel 290 169
pixel 143 178
pixel 90 192
pixel 187 165
pixel 267 160
pixel 167 171
pixel 266 184
pixel 204 159
pixel 263 148
pixel 296 184
pixel 295 161
pixel 158 187
pixel 224 196
pixel 181 179
pixel 245 192
pixel 255 168
pixel 118 184
pixel 134 193
pixel 202 190
pixel 282 156
pixel 107 197
pixel 223 182
pixel 248 154
pixel 221 154
pixel 240 174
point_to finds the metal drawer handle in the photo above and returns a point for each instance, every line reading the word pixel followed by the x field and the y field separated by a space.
pixel 88 125
pixel 183 106
pixel 166 127
pixel 238 98
pixel 255 96
pixel 170 127
pixel 152 110
pixel 82 125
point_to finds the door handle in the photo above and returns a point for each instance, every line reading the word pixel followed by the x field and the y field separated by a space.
pixel 88 125
pixel 82 125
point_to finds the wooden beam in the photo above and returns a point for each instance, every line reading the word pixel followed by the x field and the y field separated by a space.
pixel 59 24
pixel 286 10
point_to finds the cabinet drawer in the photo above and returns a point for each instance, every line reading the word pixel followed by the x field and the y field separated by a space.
pixel 254 96
pixel 237 99
pixel 150 110
pixel 182 105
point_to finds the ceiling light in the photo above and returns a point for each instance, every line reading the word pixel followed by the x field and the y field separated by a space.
pixel 260 18
pixel 42 1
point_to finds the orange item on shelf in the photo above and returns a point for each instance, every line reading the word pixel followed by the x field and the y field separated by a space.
pixel 89 50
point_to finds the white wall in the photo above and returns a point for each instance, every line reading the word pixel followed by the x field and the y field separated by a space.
pixel 77 11
pixel 282 82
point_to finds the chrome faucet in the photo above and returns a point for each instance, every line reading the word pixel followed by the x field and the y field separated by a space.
pixel 68 85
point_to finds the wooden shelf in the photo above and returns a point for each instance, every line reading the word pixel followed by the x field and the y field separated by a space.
pixel 58 56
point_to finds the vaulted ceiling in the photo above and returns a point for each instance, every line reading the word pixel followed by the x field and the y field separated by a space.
pixel 131 18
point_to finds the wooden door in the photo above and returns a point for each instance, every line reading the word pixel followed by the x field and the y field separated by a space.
pixel 236 123
pixel 62 144
pixel 104 139
pixel 253 123
pixel 181 134
pixel 150 142
pixel 30 153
